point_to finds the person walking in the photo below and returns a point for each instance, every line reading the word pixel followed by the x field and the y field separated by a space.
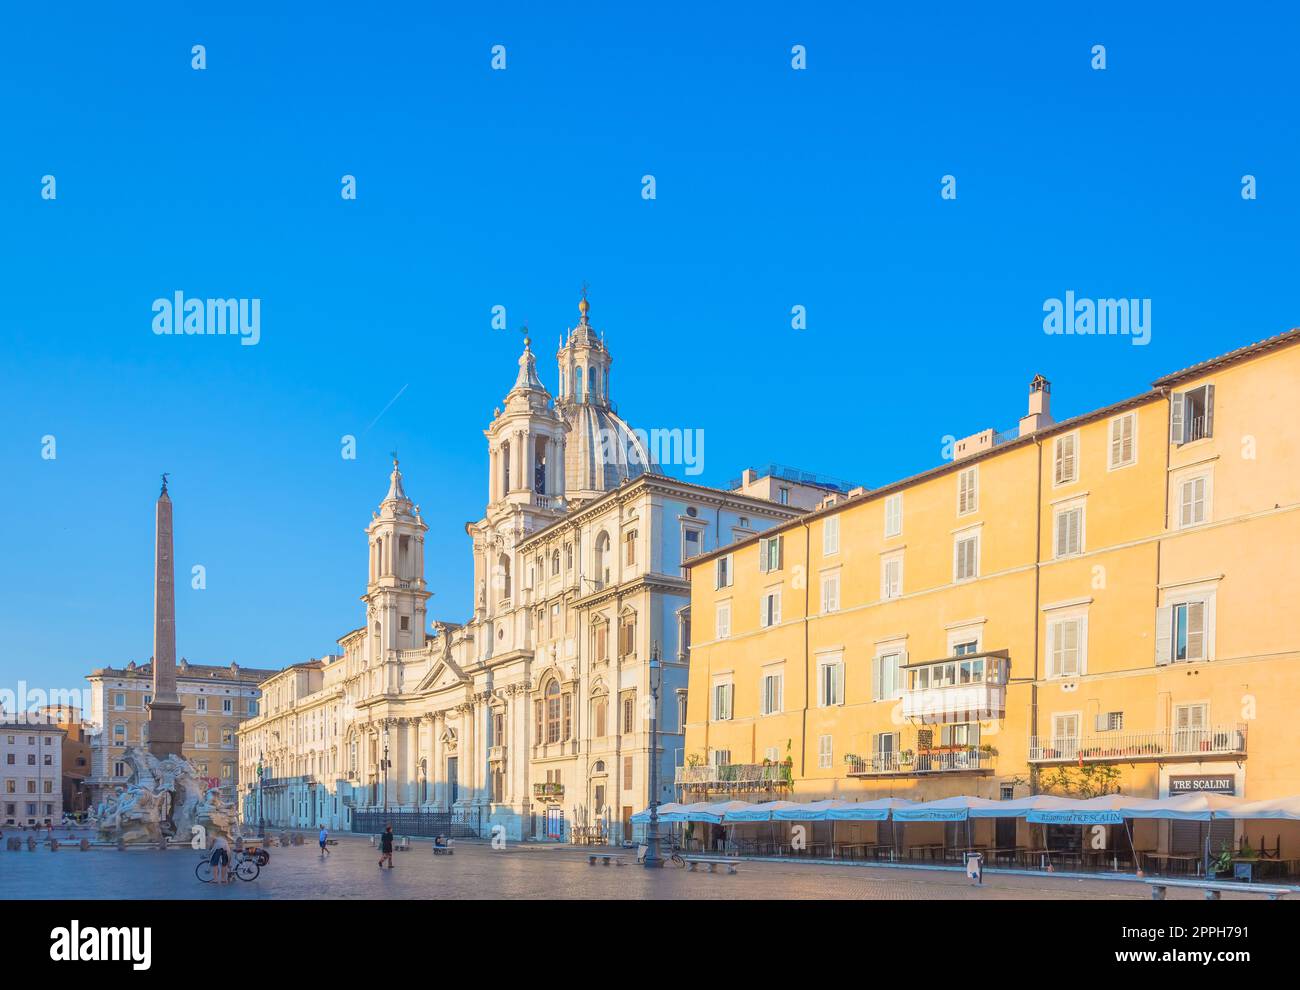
pixel 324 838
pixel 386 847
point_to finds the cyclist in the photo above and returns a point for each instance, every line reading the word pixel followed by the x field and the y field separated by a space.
pixel 220 860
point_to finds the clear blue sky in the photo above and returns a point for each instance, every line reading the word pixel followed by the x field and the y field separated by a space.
pixel 476 188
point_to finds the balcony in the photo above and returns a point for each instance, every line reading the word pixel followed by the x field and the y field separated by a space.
pixel 548 791
pixel 1162 746
pixel 732 777
pixel 971 688
pixel 906 764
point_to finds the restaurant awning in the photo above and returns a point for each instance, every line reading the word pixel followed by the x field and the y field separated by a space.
pixel 867 811
pixel 952 809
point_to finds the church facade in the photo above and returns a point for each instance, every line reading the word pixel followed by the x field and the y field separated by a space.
pixel 534 713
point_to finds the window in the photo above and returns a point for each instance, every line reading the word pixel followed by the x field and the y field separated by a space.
pixel 831 592
pixel 627 773
pixel 783 496
pixel 119 700
pixel 1191 415
pixel 723 694
pixel 690 543
pixel 723 628
pixel 629 711
pixel 601 635
pixel 722 572
pixel 404 623
pixel 1182 632
pixel 824 752
pixel 891 577
pixel 1193 500
pixel 627 634
pixel 1068 528
pixel 1110 721
pixel 831 535
pixel 773 689
pixel 960 734
pixel 227 706
pixel 968 491
pixel 1065 734
pixel 894 515
pixel 886 679
pixel 1066 459
pixel 568 557
pixel 201 704
pixel 966 556
pixel 553 712
pixel 965 648
pixel 600 712
pixel 1067 646
pixel 769 553
pixel 629 545
pixel 1123 446
pixel 567 729
pixel 252 708
pixel 771 609
pixel 830 682
pixel 1191 723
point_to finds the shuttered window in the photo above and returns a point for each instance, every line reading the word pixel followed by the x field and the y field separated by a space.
pixel 886 676
pixel 894 515
pixel 966 557
pixel 1067 645
pixel 1067 459
pixel 1123 450
pixel 1069 531
pixel 968 491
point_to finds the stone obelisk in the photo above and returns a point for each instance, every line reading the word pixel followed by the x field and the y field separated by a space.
pixel 166 729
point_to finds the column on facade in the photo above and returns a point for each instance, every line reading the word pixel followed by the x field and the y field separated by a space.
pixel 437 771
pixel 413 762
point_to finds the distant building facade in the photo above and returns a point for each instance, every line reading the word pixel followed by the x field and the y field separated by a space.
pixel 31 767
pixel 216 699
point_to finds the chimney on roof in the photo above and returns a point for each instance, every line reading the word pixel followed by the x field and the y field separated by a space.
pixel 1040 406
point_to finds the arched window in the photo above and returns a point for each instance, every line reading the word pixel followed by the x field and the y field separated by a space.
pixel 629 711
pixel 578 383
pixel 553 712
pixel 503 574
pixel 555 563
pixel 627 634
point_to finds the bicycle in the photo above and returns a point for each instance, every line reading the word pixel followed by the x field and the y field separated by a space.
pixel 245 867
pixel 670 851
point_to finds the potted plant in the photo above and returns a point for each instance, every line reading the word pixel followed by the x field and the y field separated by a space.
pixel 906 758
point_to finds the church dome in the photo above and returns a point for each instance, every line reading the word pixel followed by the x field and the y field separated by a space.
pixel 601 451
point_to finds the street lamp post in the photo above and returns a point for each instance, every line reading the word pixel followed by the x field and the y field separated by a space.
pixel 261 773
pixel 385 769
pixel 652 859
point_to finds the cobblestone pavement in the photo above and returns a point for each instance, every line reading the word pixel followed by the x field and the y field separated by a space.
pixel 519 872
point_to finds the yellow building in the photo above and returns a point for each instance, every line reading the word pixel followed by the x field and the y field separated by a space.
pixel 1095 604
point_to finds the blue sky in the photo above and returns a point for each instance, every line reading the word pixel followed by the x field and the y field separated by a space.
pixel 477 188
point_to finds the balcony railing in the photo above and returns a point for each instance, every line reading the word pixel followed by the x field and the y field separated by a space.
pixel 1130 747
pixel 548 791
pixel 966 760
pixel 969 688
pixel 735 776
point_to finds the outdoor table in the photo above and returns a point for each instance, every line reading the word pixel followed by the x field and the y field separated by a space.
pixel 925 850
pixel 1025 856
pixel 1002 855
pixel 1185 858
pixel 854 847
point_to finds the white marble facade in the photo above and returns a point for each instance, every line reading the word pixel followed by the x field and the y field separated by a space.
pixel 534 713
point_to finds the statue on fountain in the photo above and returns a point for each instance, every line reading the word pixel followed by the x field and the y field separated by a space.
pixel 163 799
